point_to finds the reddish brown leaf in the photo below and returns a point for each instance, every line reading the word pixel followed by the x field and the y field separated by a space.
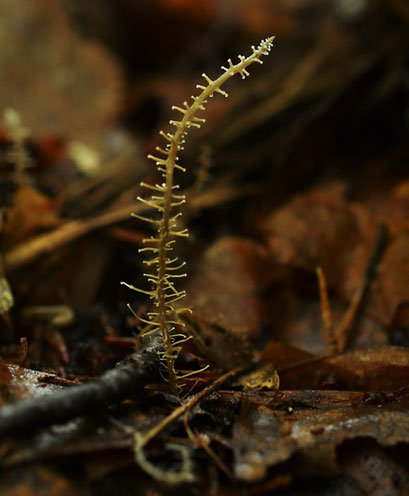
pixel 282 355
pixel 30 212
pixel 63 84
pixel 228 280
pixel 203 11
pixel 226 292
pixel 264 436
pixel 321 230
pixel 384 368
pixel 5 374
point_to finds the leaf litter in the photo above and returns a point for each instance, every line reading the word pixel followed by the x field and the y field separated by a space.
pixel 307 170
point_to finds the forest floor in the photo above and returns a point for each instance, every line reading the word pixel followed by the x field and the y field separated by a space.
pixel 297 261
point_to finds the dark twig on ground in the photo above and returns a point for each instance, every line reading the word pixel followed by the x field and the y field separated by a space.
pixel 111 387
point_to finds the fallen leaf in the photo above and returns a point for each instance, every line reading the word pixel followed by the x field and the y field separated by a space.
pixel 225 292
pixel 378 369
pixel 390 287
pixel 371 469
pixel 5 375
pixel 27 383
pixel 30 212
pixel 264 436
pixel 283 355
pixel 203 11
pixel 295 313
pixel 63 84
pixel 226 285
pixel 320 229
pixel 35 480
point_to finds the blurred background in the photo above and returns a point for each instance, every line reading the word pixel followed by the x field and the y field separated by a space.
pixel 86 86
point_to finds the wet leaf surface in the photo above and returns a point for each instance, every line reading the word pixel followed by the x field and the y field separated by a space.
pixel 306 425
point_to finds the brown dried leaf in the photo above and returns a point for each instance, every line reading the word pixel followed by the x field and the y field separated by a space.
pixel 298 320
pixel 228 280
pixel 30 211
pixel 203 11
pixel 55 80
pixel 378 369
pixel 225 292
pixel 399 328
pixel 320 229
pixel 282 355
pixel 391 284
pixel 264 436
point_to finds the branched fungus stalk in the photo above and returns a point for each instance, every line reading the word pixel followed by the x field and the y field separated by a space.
pixel 165 268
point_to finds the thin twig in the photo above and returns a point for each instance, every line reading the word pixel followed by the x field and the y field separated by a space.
pixel 30 250
pixel 185 473
pixel 345 328
pixel 196 438
pixel 326 313
pixel 144 440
